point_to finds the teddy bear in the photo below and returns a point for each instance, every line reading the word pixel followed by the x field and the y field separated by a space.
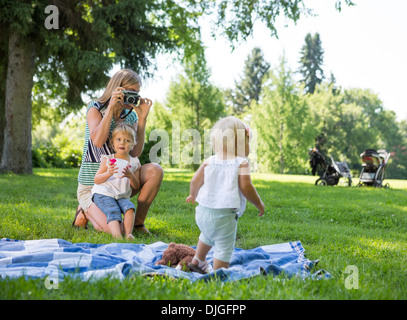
pixel 178 256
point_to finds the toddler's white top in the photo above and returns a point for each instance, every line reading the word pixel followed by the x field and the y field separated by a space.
pixel 221 187
pixel 116 187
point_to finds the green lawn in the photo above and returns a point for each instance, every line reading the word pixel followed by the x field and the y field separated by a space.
pixel 340 226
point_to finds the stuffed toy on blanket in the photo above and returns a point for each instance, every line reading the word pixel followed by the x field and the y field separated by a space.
pixel 177 256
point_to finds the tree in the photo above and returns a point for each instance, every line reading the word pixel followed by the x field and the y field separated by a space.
pixel 193 104
pixel 311 61
pixel 193 99
pixel 83 39
pixel 75 57
pixel 249 86
pixel 343 126
pixel 352 120
pixel 282 121
pixel 393 141
pixel 235 18
pixel 382 123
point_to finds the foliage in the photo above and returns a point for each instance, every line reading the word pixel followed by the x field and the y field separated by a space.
pixel 92 36
pixel 340 123
pixel 353 120
pixel 193 104
pixel 311 61
pixel 58 146
pixel 197 103
pixel 249 87
pixel 75 57
pixel 235 18
pixel 282 121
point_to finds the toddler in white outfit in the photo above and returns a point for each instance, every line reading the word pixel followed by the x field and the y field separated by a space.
pixel 221 186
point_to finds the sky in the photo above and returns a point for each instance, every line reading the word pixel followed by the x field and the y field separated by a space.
pixel 365 46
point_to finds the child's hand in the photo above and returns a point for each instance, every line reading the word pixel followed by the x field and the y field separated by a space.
pixel 191 199
pixel 127 172
pixel 261 208
pixel 111 167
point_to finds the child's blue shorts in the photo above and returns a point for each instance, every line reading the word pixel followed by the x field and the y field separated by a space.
pixel 218 228
pixel 111 207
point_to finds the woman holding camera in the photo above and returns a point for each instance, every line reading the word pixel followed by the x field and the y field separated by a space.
pixel 102 117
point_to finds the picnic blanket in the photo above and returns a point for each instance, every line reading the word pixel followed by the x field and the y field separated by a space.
pixel 58 258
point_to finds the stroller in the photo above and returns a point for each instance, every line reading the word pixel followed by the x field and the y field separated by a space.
pixel 329 174
pixel 373 168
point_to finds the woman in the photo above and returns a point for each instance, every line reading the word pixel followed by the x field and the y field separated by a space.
pixel 102 117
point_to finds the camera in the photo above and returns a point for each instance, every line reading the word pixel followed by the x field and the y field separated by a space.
pixel 130 97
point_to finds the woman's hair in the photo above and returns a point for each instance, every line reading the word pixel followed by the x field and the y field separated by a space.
pixel 229 135
pixel 126 128
pixel 121 78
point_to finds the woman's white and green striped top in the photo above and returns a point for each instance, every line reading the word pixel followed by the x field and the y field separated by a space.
pixel 91 154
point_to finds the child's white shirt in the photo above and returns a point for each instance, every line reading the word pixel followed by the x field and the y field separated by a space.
pixel 116 187
pixel 221 186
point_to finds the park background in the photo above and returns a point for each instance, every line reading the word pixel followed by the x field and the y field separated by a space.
pixel 321 84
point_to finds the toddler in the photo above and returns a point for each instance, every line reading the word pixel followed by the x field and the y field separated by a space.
pixel 221 186
pixel 112 189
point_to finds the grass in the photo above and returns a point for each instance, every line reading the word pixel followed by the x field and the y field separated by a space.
pixel 340 226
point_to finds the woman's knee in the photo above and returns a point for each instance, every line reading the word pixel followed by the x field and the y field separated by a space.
pixel 154 171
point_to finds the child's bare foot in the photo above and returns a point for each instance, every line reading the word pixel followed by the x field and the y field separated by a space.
pixel 130 237
pixel 198 265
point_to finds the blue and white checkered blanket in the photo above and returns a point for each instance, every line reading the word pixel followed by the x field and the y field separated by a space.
pixel 59 258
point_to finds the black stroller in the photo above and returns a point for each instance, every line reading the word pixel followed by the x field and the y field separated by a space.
pixel 373 168
pixel 329 174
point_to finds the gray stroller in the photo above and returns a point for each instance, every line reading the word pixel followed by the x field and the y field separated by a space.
pixel 373 168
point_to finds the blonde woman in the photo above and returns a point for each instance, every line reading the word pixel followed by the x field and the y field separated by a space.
pixel 221 186
pixel 101 118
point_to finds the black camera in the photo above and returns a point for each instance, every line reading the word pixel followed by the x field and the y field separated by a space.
pixel 130 97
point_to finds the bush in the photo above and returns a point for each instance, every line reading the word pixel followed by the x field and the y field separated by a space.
pixel 51 156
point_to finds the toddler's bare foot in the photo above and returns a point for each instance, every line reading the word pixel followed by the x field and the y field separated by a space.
pixel 130 237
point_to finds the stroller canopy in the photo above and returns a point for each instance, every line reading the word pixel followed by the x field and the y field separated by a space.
pixel 373 157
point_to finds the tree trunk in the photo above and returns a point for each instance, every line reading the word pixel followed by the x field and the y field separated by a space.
pixel 281 148
pixel 17 133
pixel 3 77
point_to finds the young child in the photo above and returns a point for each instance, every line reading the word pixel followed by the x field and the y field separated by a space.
pixel 221 186
pixel 112 189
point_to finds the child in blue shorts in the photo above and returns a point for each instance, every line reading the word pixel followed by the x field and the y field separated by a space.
pixel 221 186
pixel 112 189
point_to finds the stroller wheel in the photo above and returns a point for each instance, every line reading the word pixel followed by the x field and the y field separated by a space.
pixel 321 182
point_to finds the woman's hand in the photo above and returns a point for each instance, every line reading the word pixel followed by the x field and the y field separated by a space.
pixel 116 101
pixel 144 108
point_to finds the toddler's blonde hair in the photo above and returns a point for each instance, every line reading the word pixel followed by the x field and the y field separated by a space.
pixel 126 128
pixel 229 135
